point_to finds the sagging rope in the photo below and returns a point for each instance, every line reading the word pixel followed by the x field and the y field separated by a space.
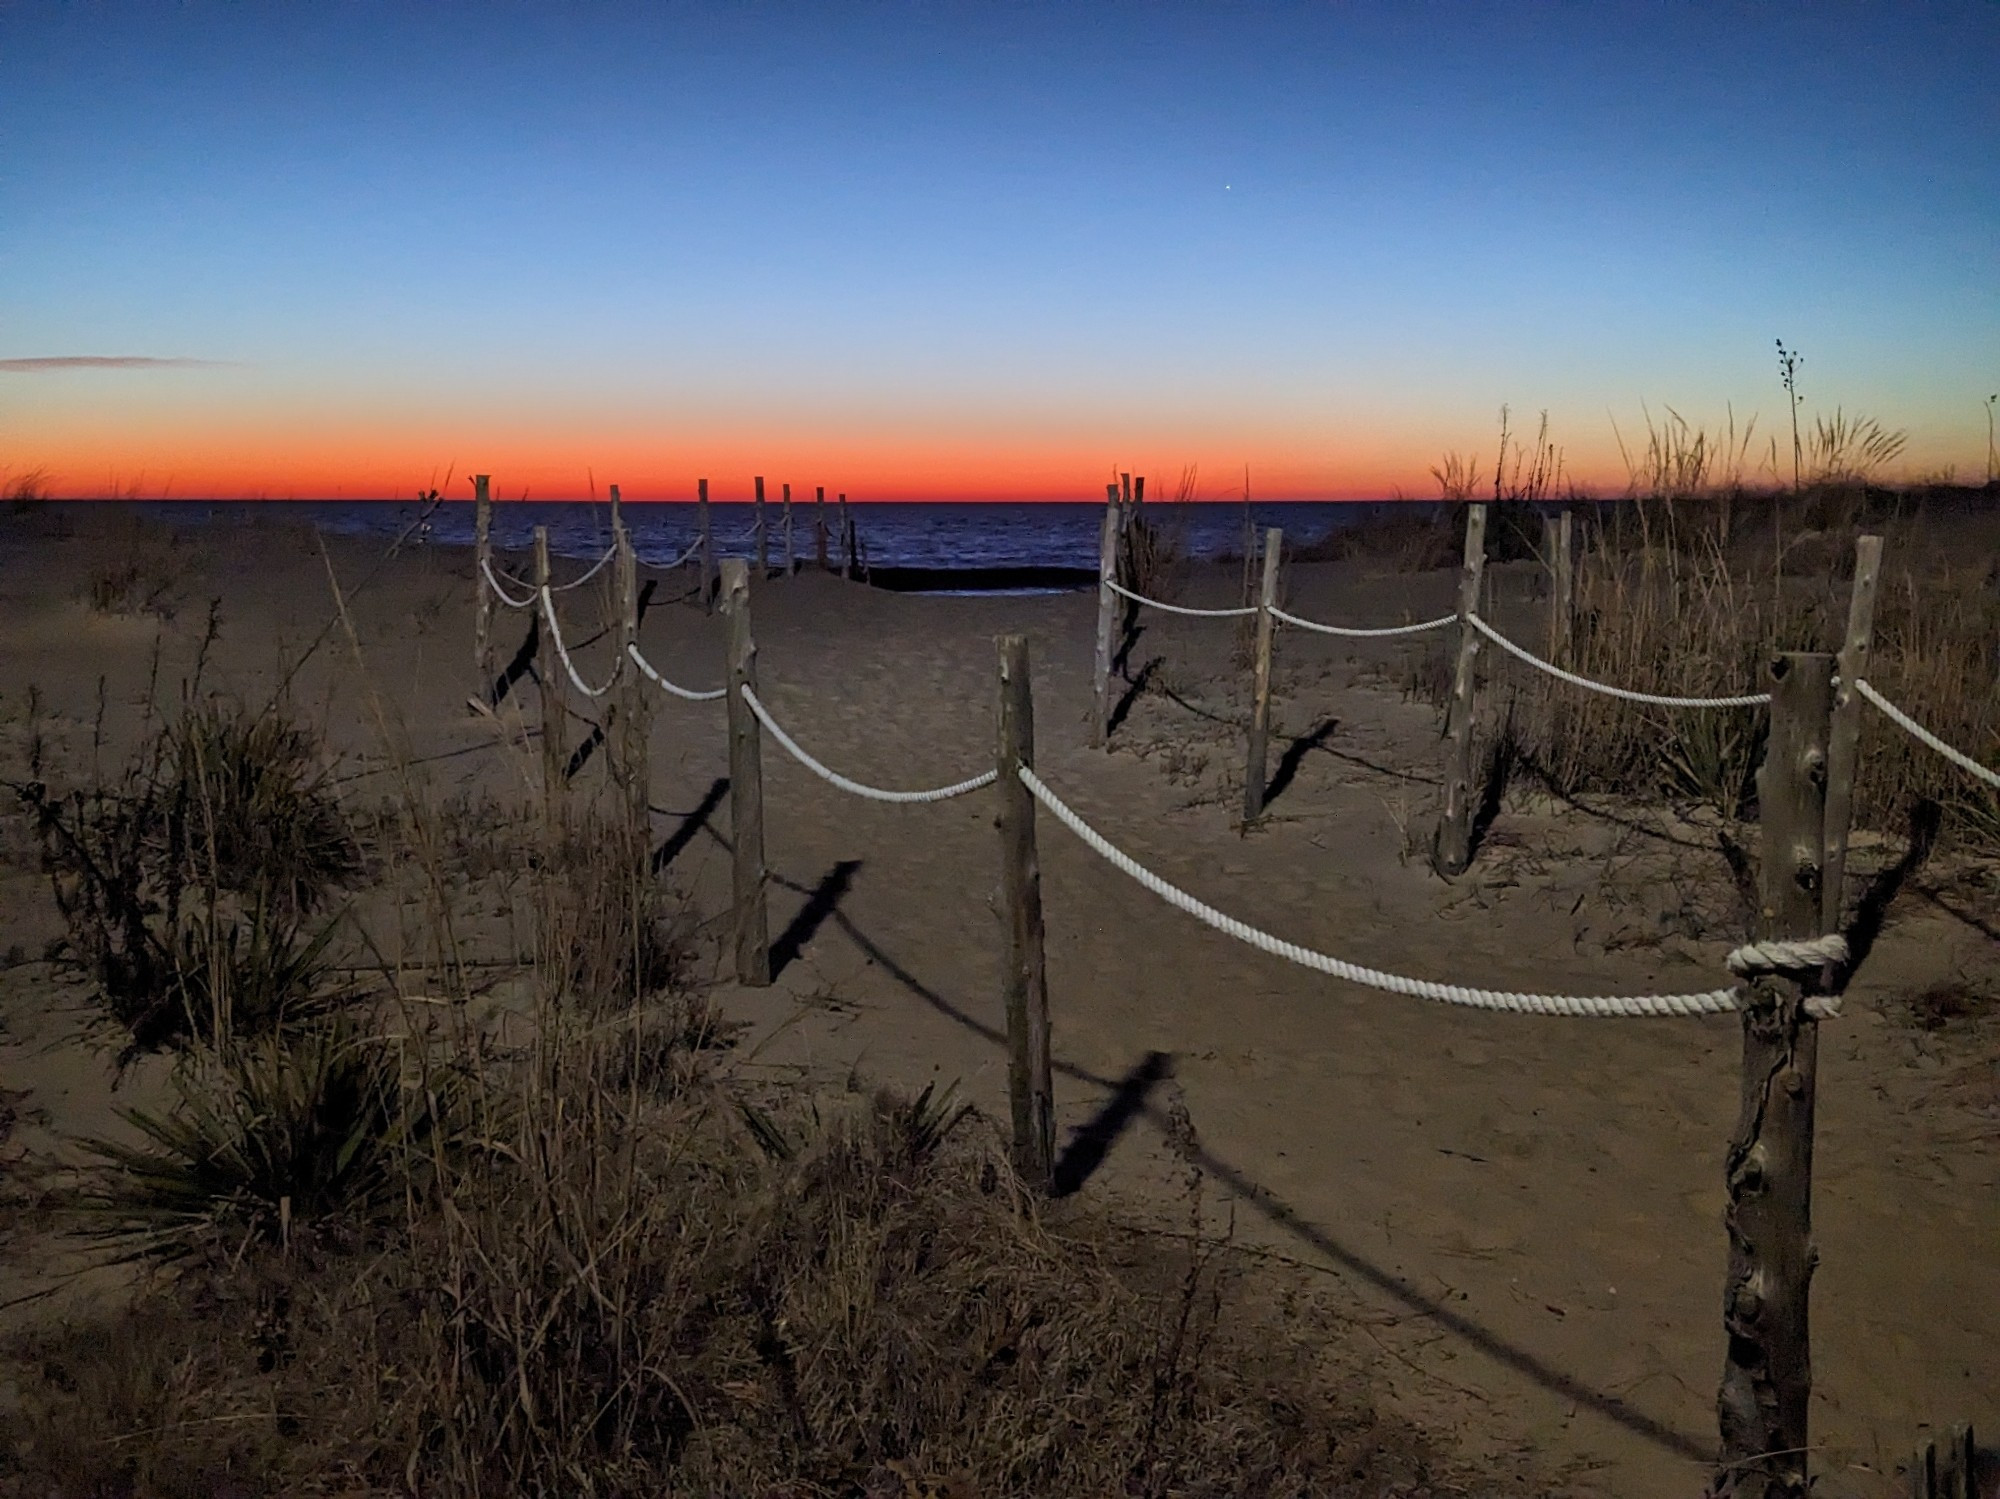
pixel 505 597
pixel 595 568
pixel 1766 957
pixel 1923 735
pixel 1350 630
pixel 675 688
pixel 835 778
pixel 1140 598
pixel 1745 700
pixel 555 634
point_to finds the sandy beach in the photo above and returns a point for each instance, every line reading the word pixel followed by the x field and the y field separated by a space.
pixel 1522 1215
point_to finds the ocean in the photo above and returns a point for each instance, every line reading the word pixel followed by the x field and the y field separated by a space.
pixel 918 538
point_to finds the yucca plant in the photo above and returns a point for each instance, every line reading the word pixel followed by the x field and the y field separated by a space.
pixel 288 1130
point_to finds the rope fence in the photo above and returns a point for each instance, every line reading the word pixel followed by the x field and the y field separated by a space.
pixel 1787 980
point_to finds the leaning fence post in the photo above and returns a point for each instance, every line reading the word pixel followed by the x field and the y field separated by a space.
pixel 1107 614
pixel 1025 978
pixel 746 785
pixel 1558 540
pixel 482 617
pixel 819 526
pixel 1260 691
pixel 548 670
pixel 1452 850
pixel 707 549
pixel 791 553
pixel 1844 739
pixel 1767 1371
pixel 634 749
pixel 763 535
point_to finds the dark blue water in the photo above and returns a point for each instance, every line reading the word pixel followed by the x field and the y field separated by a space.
pixel 970 536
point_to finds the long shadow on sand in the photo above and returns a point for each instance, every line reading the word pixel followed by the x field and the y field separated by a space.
pixel 824 901
pixel 691 823
pixel 1092 1142
pixel 1261 1200
pixel 1295 753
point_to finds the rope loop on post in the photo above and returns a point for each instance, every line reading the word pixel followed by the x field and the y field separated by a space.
pixel 1793 958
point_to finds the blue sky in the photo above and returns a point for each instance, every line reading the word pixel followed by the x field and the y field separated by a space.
pixel 957 250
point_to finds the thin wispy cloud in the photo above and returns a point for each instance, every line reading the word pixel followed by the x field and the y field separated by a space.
pixel 105 362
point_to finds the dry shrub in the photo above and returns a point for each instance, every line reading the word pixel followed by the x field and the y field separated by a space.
pixel 1690 598
pixel 190 885
pixel 631 1298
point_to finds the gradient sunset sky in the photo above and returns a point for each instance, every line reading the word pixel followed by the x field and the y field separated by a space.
pixel 962 251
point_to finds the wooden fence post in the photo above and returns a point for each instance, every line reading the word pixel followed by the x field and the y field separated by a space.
pixel 548 671
pixel 763 535
pixel 634 747
pixel 819 525
pixel 746 785
pixel 1452 850
pixel 1767 1371
pixel 791 553
pixel 1260 684
pixel 1558 540
pixel 1107 615
pixel 482 616
pixel 1952 1473
pixel 708 583
pixel 617 517
pixel 847 537
pixel 1024 978
pixel 1844 740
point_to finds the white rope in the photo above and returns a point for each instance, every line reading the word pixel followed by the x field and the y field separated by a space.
pixel 555 634
pixel 1775 956
pixel 595 568
pixel 1713 1002
pixel 1140 598
pixel 834 777
pixel 678 691
pixel 1746 700
pixel 1308 624
pixel 1917 731
pixel 505 597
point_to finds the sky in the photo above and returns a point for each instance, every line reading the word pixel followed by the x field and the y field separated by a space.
pixel 956 251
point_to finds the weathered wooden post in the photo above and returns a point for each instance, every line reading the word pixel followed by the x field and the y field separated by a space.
pixel 791 553
pixel 1950 1473
pixel 708 582
pixel 1452 849
pixel 1260 690
pixel 635 759
pixel 819 526
pixel 746 785
pixel 548 671
pixel 847 537
pixel 1844 739
pixel 1767 1371
pixel 482 615
pixel 617 517
pixel 1024 976
pixel 1558 540
pixel 1107 616
pixel 763 535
